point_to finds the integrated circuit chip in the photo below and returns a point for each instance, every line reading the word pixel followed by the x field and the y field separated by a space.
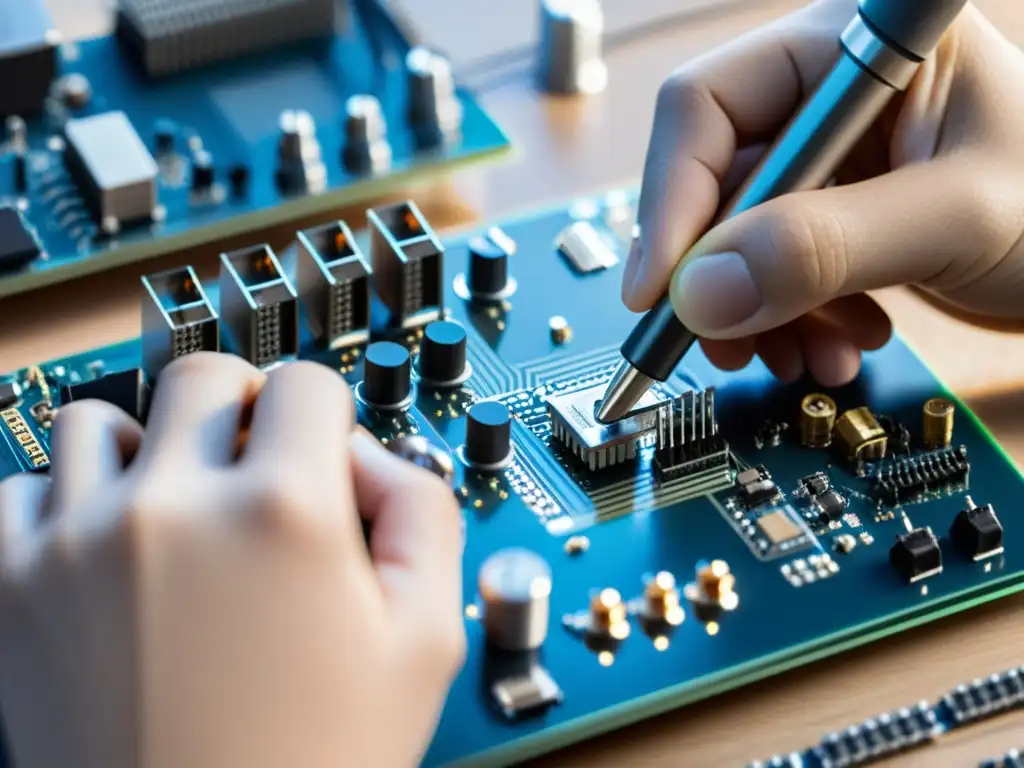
pixel 779 528
pixel 574 422
pixel 18 246
pixel 178 35
pixel 28 56
pixel 115 172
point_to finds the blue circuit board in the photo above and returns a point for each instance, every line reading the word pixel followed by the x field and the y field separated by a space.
pixel 830 588
pixel 232 111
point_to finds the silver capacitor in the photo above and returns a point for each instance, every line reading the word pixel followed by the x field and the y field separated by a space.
pixel 434 107
pixel 366 147
pixel 570 58
pixel 300 166
pixel 515 585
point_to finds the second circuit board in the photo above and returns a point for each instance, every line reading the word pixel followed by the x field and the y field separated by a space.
pixel 222 118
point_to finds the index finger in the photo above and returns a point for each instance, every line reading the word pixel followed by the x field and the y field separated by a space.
pixel 737 95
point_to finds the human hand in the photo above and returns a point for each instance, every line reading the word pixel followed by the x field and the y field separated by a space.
pixel 933 196
pixel 202 608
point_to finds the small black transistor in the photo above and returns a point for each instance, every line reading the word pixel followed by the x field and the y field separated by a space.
pixel 977 532
pixel 830 505
pixel 9 394
pixel 816 483
pixel 916 555
pixel 17 245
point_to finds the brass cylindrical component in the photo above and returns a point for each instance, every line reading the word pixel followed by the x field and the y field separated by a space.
pixel 817 418
pixel 938 423
pixel 607 611
pixel 715 580
pixel 661 596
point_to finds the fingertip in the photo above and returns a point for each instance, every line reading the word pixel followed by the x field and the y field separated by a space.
pixel 779 349
pixel 629 275
pixel 729 354
pixel 23 498
pixel 832 360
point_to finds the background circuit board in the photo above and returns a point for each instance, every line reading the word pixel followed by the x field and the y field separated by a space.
pixel 224 118
pixel 829 587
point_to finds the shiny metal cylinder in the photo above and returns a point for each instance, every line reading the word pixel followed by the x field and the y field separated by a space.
pixel 868 72
pixel 434 109
pixel 865 77
pixel 366 144
pixel 569 54
pixel 515 585
pixel 817 418
pixel 937 426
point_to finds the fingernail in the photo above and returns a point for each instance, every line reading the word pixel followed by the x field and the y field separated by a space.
pixel 631 275
pixel 715 292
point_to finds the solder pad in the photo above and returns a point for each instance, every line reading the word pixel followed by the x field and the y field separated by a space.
pixel 796 604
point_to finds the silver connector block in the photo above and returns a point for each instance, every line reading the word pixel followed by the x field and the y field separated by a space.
pixel 408 264
pixel 333 280
pixel 177 319
pixel 258 306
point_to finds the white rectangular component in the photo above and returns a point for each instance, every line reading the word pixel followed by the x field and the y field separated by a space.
pixel 574 422
pixel 115 172
pixel 585 248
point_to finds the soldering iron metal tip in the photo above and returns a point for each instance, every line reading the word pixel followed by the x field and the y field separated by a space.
pixel 627 386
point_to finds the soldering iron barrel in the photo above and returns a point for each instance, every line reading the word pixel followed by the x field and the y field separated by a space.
pixel 866 75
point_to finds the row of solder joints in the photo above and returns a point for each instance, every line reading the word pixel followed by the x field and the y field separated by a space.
pixel 330 278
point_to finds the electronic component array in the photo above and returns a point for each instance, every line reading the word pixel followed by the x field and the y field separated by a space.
pixel 199 119
pixel 729 528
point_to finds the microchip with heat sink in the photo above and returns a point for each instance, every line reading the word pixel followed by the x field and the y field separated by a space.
pixel 169 36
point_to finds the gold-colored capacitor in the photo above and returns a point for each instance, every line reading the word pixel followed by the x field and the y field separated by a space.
pixel 561 331
pixel 938 423
pixel 817 418
pixel 661 599
pixel 715 580
pixel 608 614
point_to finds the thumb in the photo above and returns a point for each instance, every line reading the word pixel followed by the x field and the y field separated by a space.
pixel 935 223
pixel 416 534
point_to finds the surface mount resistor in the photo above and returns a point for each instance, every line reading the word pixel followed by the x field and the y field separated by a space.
pixel 937 424
pixel 817 418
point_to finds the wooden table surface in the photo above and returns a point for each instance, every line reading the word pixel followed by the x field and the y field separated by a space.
pixel 575 147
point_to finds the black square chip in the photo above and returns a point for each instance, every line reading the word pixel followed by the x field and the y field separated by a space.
pixel 28 56
pixel 17 245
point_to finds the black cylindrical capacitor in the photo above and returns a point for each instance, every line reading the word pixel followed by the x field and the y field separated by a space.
pixel 21 172
pixel 488 268
pixel 386 374
pixel 488 434
pixel 443 352
pixel 239 178
pixel 202 171
pixel 165 135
